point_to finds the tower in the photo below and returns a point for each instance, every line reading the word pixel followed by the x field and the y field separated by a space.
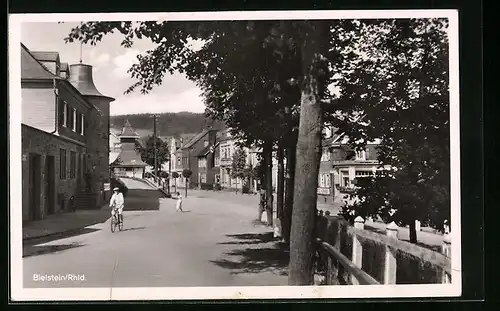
pixel 80 76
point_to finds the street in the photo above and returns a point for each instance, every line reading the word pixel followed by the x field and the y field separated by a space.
pixel 212 243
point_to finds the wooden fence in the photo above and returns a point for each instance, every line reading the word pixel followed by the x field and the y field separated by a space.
pixel 350 255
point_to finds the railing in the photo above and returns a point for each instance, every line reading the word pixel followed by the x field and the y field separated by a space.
pixel 349 255
pixel 336 263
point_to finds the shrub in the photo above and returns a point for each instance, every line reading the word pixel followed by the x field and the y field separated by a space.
pixel 205 186
pixel 217 187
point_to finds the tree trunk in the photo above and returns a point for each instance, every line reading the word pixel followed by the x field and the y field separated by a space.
pixel 413 232
pixel 268 153
pixel 308 158
pixel 262 200
pixel 186 188
pixel 288 206
pixel 280 189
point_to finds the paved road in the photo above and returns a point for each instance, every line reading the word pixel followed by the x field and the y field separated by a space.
pixel 213 243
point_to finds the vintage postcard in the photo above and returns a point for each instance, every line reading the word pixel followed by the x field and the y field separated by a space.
pixel 234 155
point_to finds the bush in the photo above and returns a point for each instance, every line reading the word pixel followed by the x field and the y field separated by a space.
pixel 245 189
pixel 118 183
pixel 217 187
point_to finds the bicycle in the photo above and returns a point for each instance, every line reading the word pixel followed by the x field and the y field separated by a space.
pixel 116 220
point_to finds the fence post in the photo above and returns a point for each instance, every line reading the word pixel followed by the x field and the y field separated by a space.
pixel 446 250
pixel 390 267
pixel 357 248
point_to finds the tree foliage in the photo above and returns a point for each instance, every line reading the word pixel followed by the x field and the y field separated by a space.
pixel 397 80
pixel 239 164
pixel 148 151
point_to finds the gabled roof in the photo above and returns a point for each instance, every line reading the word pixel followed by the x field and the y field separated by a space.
pixel 31 67
pixel 129 158
pixel 45 56
pixel 128 131
pixel 195 139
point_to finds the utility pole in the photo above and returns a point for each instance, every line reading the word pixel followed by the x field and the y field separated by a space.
pixel 169 168
pixel 154 144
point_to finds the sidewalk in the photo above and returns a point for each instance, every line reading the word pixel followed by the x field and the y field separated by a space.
pixel 65 222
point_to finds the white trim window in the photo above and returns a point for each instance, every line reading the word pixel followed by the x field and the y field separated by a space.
pixel 361 155
pixel 82 127
pixel 324 180
pixel 325 155
pixel 65 114
pixel 74 119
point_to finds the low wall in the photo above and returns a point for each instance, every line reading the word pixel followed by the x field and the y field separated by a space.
pixel 384 257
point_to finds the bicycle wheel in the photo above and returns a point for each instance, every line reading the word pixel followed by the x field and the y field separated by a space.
pixel 120 223
pixel 113 224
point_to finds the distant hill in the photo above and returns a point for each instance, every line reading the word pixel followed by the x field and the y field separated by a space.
pixel 168 124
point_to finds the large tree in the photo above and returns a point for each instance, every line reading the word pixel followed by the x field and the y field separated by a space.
pixel 262 71
pixel 239 165
pixel 148 151
pixel 394 87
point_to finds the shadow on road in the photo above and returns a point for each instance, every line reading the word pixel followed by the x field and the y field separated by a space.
pixel 142 200
pixel 48 249
pixel 58 236
pixel 262 254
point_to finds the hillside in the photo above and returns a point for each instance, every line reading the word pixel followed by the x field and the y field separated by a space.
pixel 168 124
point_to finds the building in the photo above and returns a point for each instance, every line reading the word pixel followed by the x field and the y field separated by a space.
pixel 348 164
pixel 114 146
pixel 64 136
pixel 208 172
pixel 187 155
pixel 128 163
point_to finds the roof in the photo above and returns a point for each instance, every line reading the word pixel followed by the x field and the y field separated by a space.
pixel 206 150
pixel 81 78
pixel 64 67
pixel 195 139
pixel 46 56
pixel 31 67
pixel 128 131
pixel 129 158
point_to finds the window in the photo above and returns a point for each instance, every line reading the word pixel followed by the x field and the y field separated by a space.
pixel 324 180
pixel 74 119
pixel 79 172
pixel 62 164
pixel 72 164
pixel 82 126
pixel 325 156
pixel 202 162
pixel 84 164
pixel 360 155
pixel 203 178
pixel 179 161
pixel 65 114
pixel 128 169
pixel 217 161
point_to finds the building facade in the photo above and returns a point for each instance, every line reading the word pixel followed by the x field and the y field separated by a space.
pixel 61 136
pixel 187 155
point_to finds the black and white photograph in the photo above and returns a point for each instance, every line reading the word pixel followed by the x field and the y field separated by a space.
pixel 234 155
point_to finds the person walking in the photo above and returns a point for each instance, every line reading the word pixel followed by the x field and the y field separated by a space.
pixel 179 202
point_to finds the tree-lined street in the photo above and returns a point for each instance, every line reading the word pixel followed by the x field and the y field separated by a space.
pixel 213 243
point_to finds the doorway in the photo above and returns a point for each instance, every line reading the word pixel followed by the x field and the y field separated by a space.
pixel 34 186
pixel 49 184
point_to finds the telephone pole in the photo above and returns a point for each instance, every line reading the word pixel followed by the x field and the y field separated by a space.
pixel 154 144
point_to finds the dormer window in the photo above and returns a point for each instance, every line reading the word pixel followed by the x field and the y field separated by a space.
pixel 205 143
pixel 361 155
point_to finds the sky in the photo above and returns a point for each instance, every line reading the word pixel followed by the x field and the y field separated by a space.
pixel 111 62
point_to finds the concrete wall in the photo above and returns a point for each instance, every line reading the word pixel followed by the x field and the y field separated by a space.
pixel 45 144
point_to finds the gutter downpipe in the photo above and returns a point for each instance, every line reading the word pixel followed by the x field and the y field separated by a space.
pixel 56 93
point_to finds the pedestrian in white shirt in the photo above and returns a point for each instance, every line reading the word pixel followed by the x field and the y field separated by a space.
pixel 117 202
pixel 179 202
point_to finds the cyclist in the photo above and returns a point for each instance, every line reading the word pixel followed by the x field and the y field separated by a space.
pixel 116 203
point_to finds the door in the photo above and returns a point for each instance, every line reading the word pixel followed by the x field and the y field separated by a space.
pixel 49 184
pixel 34 184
